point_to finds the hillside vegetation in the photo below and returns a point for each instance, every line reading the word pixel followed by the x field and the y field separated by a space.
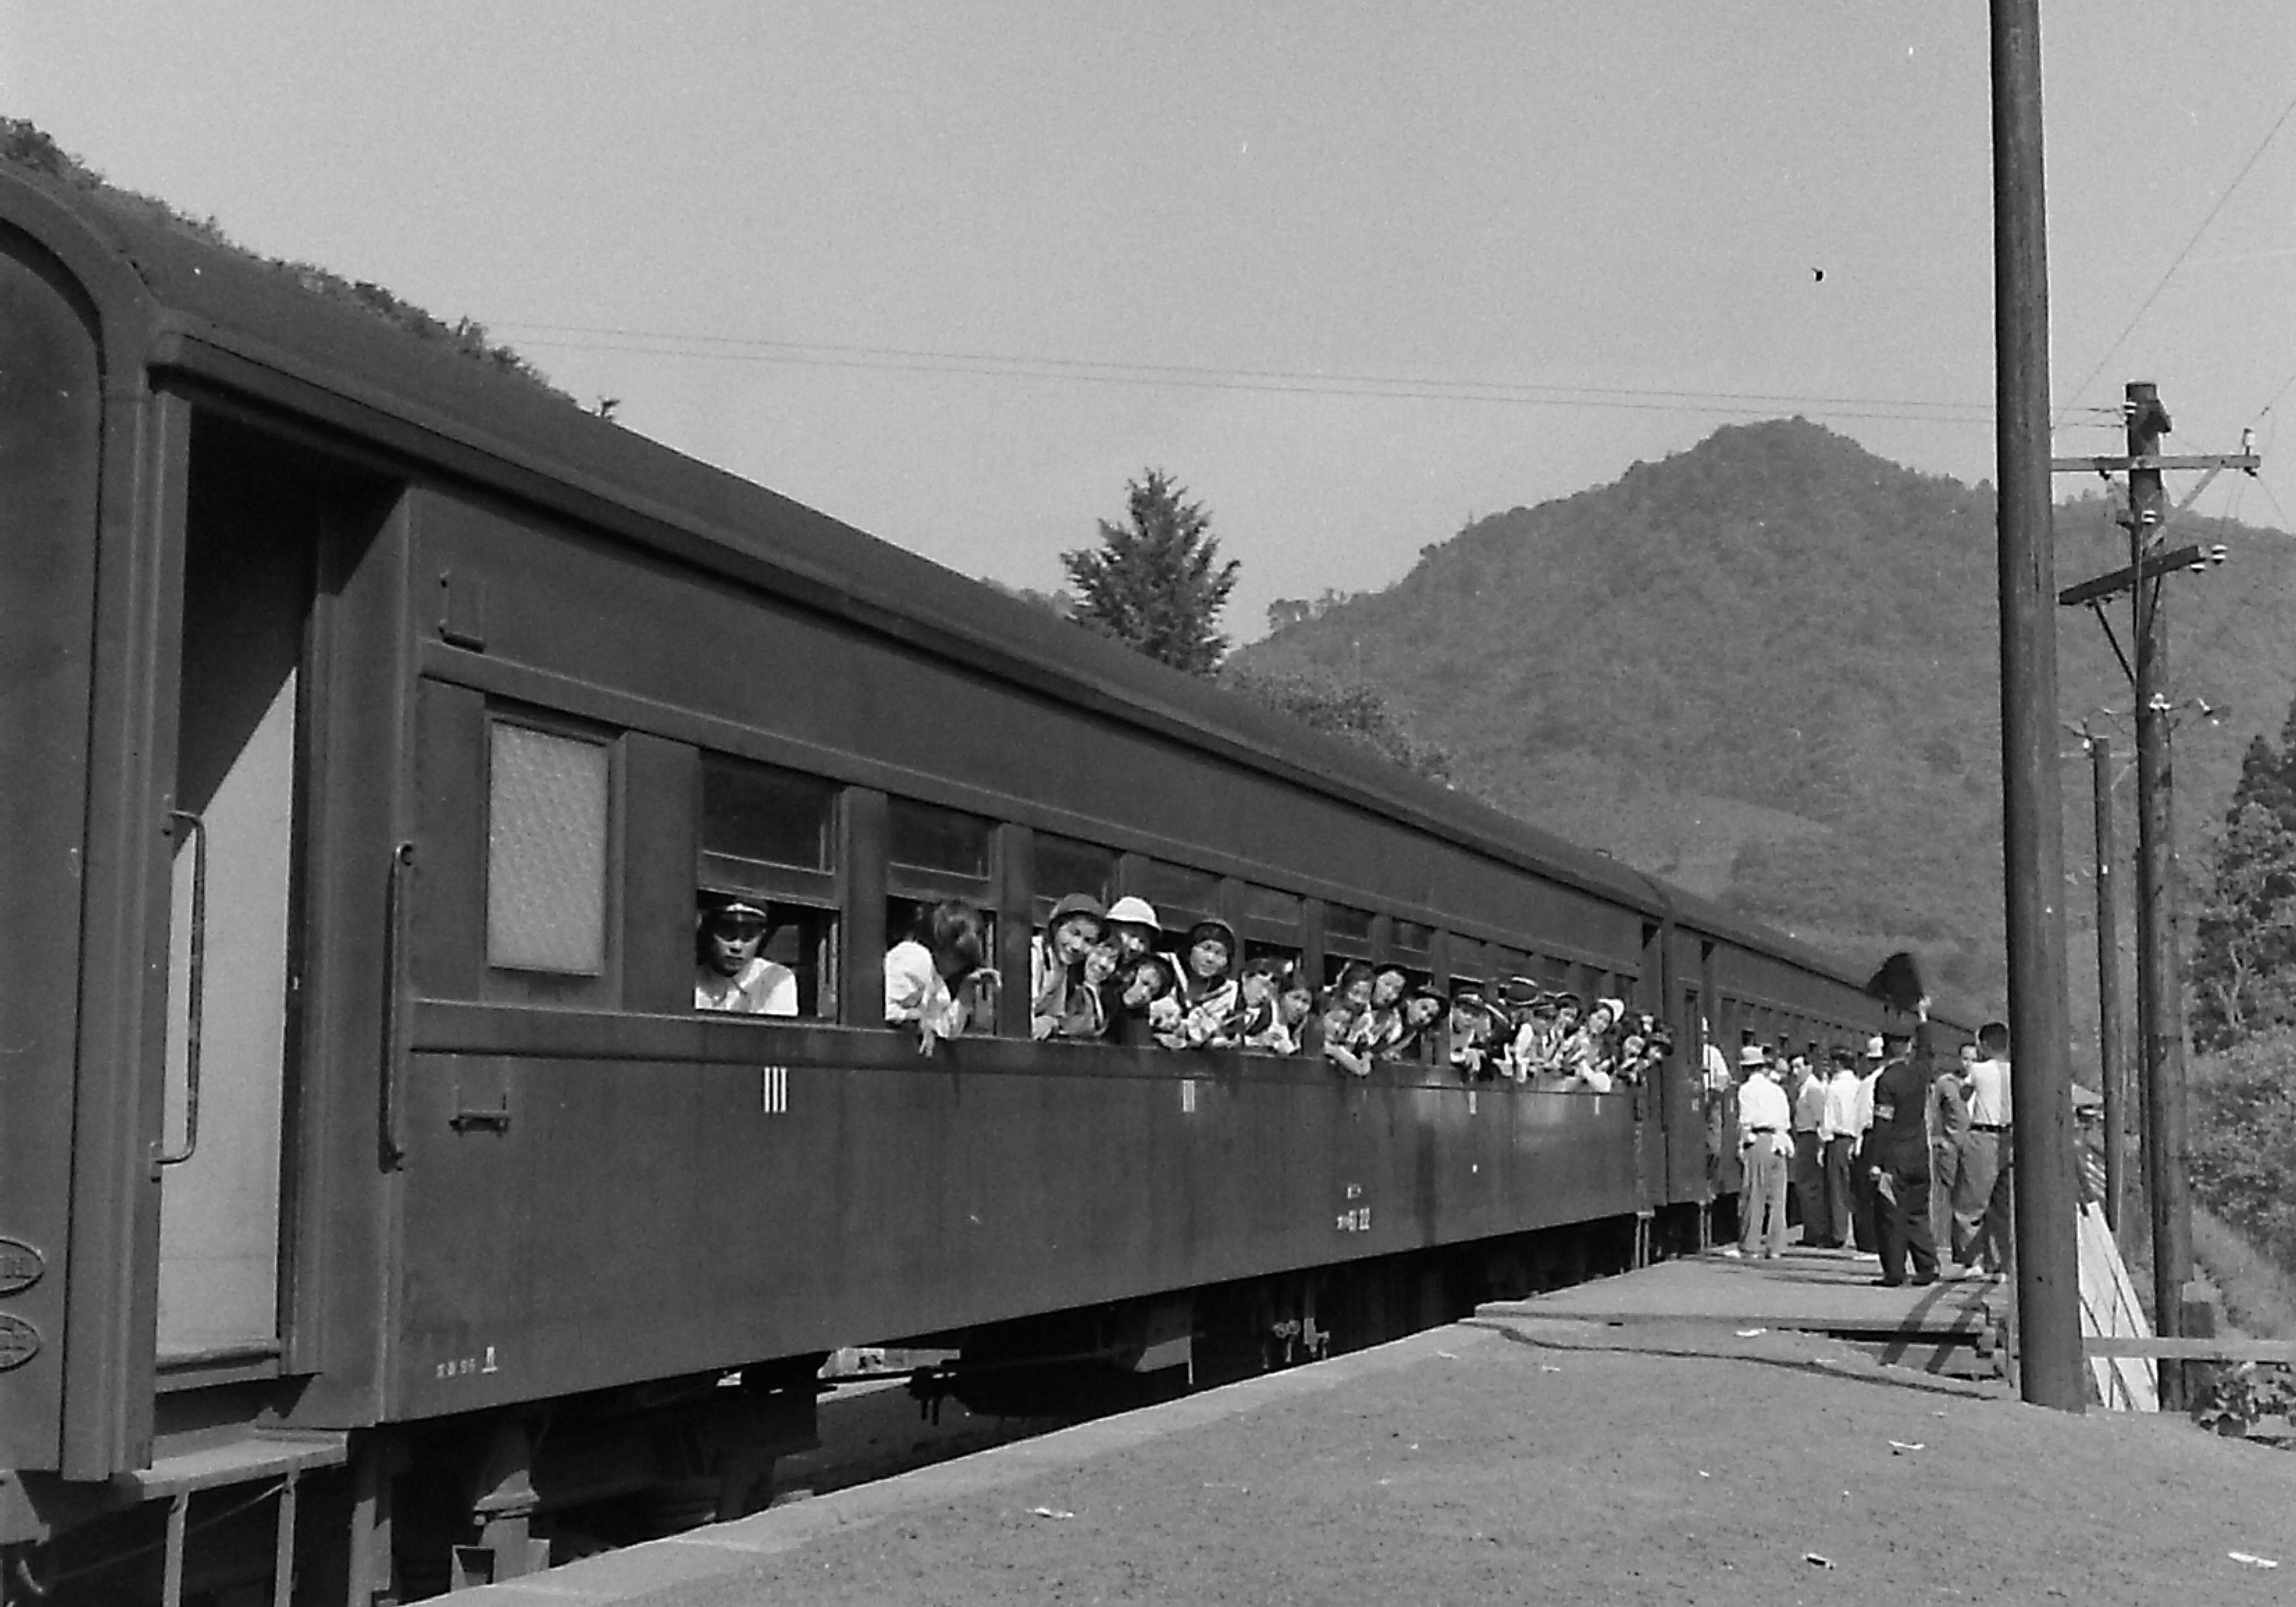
pixel 1767 669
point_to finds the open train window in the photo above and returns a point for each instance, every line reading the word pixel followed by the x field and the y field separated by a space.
pixel 934 853
pixel 549 806
pixel 768 853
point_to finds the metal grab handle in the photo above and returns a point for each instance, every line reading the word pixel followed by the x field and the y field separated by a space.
pixel 195 1005
pixel 402 861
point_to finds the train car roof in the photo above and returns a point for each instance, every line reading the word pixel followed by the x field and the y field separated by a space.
pixel 251 326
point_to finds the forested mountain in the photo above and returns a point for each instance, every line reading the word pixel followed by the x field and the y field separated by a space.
pixel 1767 669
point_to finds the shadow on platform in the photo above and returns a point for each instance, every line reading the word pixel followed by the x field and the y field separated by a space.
pixel 1957 1327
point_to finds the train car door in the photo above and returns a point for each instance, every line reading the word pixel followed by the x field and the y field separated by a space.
pixel 1683 1094
pixel 233 969
pixel 1654 1117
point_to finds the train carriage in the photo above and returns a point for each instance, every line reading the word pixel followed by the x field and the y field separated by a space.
pixel 377 724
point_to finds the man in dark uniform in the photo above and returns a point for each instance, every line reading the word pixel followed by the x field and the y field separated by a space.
pixel 1899 1146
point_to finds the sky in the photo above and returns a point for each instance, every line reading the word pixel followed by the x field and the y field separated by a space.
pixel 953 271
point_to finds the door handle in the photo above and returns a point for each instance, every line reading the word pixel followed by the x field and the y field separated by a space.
pixel 392 1145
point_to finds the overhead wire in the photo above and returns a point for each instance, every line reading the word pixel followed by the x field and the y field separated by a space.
pixel 715 347
pixel 2224 196
pixel 1189 376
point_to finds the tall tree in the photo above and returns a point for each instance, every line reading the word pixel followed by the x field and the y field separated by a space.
pixel 1156 583
pixel 2242 968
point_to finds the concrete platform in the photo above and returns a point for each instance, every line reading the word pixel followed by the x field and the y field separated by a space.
pixel 1666 1460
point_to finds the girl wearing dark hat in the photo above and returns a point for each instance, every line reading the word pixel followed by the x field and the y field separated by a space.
pixel 1056 959
pixel 1144 1011
pixel 1209 992
pixel 1259 1025
pixel 1344 1007
pixel 1379 1028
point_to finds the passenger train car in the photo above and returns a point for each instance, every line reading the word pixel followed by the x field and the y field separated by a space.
pixel 369 1191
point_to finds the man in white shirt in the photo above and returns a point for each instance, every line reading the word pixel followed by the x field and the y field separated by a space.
pixel 1837 1134
pixel 1808 1178
pixel 1865 1227
pixel 1765 1153
pixel 1981 1230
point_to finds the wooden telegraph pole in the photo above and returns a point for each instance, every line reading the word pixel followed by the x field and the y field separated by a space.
pixel 2160 974
pixel 2047 1214
pixel 2108 983
pixel 2160 969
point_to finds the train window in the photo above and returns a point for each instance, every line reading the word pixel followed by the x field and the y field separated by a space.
pixel 1412 941
pixel 922 837
pixel 912 918
pixel 1182 896
pixel 1346 932
pixel 796 938
pixel 1063 866
pixel 1506 964
pixel 1271 907
pixel 1269 923
pixel 767 841
pixel 547 803
pixel 766 815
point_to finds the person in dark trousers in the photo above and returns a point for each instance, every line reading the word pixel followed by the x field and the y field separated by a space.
pixel 1898 1146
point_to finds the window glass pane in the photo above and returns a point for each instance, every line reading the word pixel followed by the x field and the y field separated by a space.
pixel 1177 891
pixel 1347 925
pixel 1266 904
pixel 758 812
pixel 932 838
pixel 546 853
pixel 1065 865
pixel 1413 938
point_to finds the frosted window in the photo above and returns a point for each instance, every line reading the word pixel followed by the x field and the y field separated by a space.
pixel 546 853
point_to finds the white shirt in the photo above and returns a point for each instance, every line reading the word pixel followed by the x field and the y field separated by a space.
pixel 1841 1118
pixel 1762 1104
pixel 1717 1068
pixel 915 992
pixel 1989 1093
pixel 1865 1100
pixel 1809 1105
pixel 760 987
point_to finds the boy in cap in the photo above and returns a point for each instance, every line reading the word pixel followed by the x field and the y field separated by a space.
pixel 729 974
pixel 1471 1032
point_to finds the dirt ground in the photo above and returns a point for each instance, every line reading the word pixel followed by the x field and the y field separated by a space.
pixel 1495 1469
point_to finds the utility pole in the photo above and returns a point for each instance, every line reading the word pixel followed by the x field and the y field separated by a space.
pixel 2047 1201
pixel 2160 970
pixel 2108 982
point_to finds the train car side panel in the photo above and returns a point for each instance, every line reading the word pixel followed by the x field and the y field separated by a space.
pixel 49 446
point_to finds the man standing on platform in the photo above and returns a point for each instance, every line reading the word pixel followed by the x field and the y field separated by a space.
pixel 1865 1231
pixel 1809 1155
pixel 1837 1132
pixel 1899 1148
pixel 1949 1124
pixel 1765 1151
pixel 1982 1193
